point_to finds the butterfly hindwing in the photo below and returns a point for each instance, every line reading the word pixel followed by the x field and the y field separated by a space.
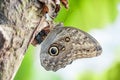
pixel 63 45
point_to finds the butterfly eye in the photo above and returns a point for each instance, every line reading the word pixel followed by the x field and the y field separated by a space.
pixel 53 51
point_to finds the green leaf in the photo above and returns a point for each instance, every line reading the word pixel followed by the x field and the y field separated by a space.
pixel 88 14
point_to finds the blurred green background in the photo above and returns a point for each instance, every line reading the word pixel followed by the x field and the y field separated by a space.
pixel 86 15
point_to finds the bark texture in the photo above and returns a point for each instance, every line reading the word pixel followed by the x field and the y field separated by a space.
pixel 20 20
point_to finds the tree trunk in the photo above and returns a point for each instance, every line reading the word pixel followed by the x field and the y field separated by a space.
pixel 20 20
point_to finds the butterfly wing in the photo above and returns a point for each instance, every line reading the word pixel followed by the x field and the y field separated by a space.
pixel 66 44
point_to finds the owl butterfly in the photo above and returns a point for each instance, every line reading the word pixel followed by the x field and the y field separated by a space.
pixel 63 45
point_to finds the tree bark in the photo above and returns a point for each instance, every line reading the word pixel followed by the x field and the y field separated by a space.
pixel 20 20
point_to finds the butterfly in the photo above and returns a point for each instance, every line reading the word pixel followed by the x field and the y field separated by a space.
pixel 62 45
